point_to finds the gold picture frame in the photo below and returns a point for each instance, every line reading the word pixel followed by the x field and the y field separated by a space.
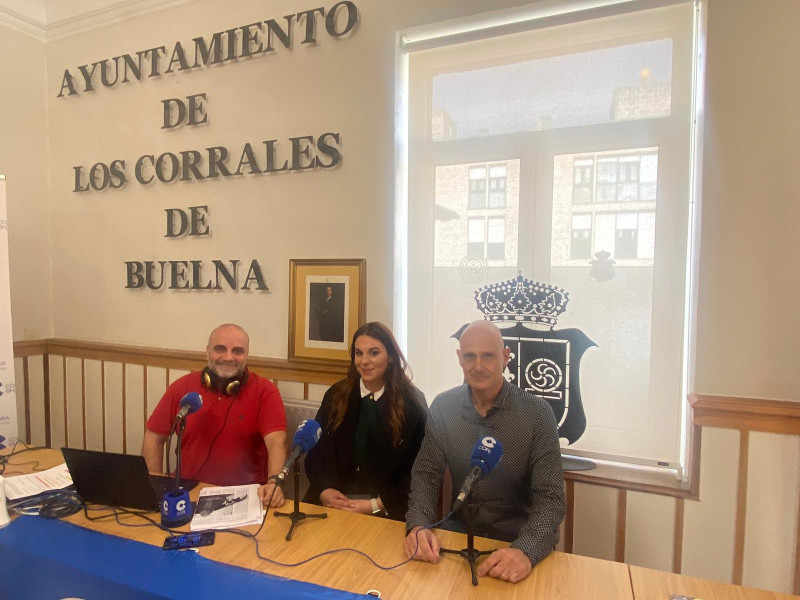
pixel 327 303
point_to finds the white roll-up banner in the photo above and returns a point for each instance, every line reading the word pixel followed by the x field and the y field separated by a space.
pixel 8 395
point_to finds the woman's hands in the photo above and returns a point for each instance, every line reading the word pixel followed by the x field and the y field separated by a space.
pixel 333 498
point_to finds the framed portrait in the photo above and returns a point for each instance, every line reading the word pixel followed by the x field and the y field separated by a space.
pixel 327 303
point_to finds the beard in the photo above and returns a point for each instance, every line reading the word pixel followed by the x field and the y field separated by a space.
pixel 225 370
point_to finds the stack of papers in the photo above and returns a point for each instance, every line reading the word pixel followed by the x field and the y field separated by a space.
pixel 227 507
pixel 22 486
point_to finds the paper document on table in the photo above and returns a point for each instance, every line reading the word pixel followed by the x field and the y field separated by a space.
pixel 22 486
pixel 226 507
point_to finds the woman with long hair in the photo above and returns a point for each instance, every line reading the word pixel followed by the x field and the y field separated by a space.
pixel 372 423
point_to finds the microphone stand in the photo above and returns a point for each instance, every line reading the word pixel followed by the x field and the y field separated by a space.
pixel 178 453
pixel 296 515
pixel 176 506
pixel 469 553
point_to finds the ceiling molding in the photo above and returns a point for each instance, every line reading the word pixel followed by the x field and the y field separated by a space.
pixel 23 24
pixel 71 22
pixel 120 10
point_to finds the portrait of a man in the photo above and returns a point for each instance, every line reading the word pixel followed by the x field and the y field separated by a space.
pixel 326 312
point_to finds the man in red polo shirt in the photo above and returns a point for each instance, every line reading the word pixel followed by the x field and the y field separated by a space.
pixel 238 436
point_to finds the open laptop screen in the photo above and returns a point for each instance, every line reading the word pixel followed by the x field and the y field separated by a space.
pixel 114 479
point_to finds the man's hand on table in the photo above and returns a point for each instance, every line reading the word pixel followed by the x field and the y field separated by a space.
pixel 508 564
pixel 265 493
pixel 428 545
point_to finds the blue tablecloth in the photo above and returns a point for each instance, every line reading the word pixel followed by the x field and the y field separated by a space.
pixel 43 559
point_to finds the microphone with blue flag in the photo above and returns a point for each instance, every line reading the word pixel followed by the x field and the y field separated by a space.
pixel 176 507
pixel 190 403
pixel 486 453
pixel 305 438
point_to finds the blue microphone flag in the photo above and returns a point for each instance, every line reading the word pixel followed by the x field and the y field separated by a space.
pixel 486 453
pixel 307 435
pixel 193 400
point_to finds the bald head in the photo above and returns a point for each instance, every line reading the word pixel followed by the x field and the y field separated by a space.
pixel 227 350
pixel 232 327
pixel 483 330
pixel 483 357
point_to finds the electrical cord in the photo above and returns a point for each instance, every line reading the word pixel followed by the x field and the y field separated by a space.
pixel 62 503
pixel 336 550
pixel 34 469
pixel 14 452
pixel 53 504
pixel 214 441
pixel 254 537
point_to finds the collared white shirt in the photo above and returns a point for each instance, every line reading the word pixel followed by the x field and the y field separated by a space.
pixel 365 392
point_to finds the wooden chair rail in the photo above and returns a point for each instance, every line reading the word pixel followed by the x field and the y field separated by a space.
pixel 746 414
pixel 273 368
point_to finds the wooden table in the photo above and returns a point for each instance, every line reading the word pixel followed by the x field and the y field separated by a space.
pixel 558 577
pixel 649 584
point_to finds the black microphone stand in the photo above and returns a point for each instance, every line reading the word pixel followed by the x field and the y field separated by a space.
pixel 296 516
pixel 177 427
pixel 469 553
pixel 178 453
pixel 176 507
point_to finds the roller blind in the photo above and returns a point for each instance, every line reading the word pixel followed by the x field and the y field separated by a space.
pixel 563 152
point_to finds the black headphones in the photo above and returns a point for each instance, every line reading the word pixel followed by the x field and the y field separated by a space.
pixel 230 387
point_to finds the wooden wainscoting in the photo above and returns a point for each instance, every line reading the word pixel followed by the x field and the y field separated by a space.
pixel 746 415
pixel 55 353
pixel 55 391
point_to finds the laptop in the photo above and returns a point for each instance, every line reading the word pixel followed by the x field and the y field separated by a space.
pixel 117 479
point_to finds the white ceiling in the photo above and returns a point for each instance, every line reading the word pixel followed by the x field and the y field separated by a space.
pixel 53 19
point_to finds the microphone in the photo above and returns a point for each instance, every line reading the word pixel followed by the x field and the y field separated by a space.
pixel 305 438
pixel 486 453
pixel 176 507
pixel 190 403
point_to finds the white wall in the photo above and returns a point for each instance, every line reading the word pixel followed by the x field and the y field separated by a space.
pixel 748 336
pixel 23 159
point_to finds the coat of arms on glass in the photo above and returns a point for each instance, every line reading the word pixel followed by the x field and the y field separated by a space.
pixel 545 361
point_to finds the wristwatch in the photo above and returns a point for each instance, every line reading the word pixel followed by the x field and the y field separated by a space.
pixel 375 508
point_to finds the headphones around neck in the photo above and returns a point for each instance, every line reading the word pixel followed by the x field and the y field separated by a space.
pixel 229 387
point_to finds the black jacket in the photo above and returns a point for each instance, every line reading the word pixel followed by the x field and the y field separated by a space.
pixel 387 474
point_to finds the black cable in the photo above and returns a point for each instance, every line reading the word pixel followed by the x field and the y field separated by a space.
pixel 52 504
pixel 334 551
pixel 214 441
pixel 14 452
pixel 254 537
pixel 169 447
pixel 34 469
pixel 150 522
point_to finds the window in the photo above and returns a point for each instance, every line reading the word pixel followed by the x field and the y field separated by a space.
pixel 476 225
pixel 627 239
pixel 495 242
pixel 513 166
pixel 486 241
pixel 581 241
pixel 497 187
pixel 582 188
pixel 477 187
pixel 619 178
pixel 476 237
